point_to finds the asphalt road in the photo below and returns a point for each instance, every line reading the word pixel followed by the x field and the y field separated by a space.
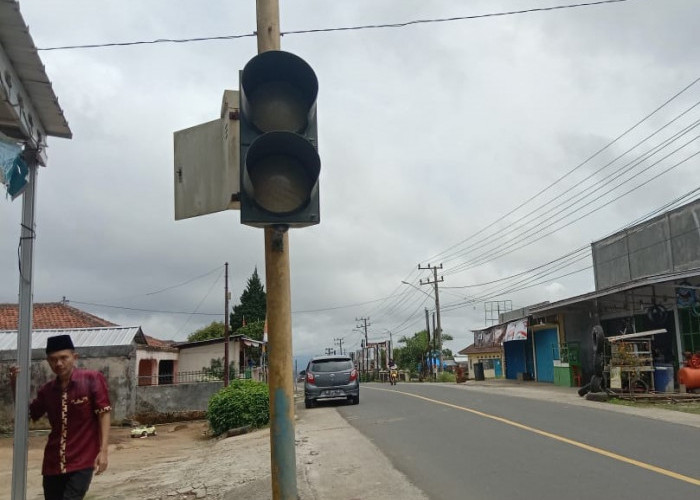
pixel 455 443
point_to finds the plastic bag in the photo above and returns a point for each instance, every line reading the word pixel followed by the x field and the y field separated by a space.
pixel 13 169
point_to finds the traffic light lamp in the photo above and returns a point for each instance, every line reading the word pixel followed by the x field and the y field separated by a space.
pixel 279 163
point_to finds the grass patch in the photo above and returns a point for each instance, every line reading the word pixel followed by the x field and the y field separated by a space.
pixel 682 406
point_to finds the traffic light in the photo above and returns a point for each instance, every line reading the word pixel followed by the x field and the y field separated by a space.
pixel 279 162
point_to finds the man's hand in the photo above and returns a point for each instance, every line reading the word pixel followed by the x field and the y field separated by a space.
pixel 13 371
pixel 101 462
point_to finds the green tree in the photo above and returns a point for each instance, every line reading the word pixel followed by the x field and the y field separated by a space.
pixel 446 353
pixel 253 306
pixel 412 354
pixel 213 331
pixel 254 330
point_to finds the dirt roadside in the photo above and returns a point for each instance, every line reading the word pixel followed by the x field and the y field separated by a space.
pixel 182 463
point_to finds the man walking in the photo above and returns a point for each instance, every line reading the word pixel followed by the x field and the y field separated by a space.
pixel 77 405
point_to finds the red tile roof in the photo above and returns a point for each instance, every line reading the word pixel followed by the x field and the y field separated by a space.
pixel 473 349
pixel 154 342
pixel 51 315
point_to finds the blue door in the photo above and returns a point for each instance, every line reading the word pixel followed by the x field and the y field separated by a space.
pixel 514 352
pixel 545 346
pixel 497 368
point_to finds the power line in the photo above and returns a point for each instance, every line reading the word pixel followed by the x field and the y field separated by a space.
pixel 442 255
pixel 489 255
pixel 535 280
pixel 329 30
pixel 590 212
pixel 584 192
pixel 142 310
pixel 509 284
pixel 200 303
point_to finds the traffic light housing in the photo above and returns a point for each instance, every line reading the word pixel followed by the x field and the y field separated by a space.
pixel 279 161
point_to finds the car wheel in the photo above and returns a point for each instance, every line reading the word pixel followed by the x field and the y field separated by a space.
pixel 144 434
pixel 154 433
pixel 356 400
pixel 309 403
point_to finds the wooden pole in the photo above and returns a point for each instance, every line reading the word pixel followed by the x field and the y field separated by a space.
pixel 279 314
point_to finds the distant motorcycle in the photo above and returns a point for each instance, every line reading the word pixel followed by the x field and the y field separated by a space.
pixel 393 376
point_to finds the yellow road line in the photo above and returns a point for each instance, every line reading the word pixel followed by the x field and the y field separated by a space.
pixel 556 437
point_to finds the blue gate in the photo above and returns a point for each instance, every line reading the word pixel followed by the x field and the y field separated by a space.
pixel 544 353
pixel 515 355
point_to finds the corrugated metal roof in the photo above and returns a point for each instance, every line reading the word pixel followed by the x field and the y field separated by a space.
pixel 638 283
pixel 82 337
pixel 22 53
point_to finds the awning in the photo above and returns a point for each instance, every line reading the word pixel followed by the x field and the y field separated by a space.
pixel 626 336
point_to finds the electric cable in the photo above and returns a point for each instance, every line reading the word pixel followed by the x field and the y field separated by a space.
pixel 440 255
pixel 329 30
pixel 587 192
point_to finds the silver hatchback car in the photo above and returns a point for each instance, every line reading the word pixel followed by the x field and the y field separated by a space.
pixel 331 377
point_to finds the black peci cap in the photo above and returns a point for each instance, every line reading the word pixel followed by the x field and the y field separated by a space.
pixel 58 343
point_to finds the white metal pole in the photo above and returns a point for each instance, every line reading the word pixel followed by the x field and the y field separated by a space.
pixel 24 336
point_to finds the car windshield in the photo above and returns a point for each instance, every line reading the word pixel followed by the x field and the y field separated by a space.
pixel 331 365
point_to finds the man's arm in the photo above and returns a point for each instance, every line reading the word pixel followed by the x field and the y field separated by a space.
pixel 13 371
pixel 101 461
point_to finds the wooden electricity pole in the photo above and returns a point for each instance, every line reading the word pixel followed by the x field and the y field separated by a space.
pixel 227 339
pixel 279 313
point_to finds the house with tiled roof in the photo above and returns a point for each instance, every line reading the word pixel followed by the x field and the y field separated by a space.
pixel 126 356
pixel 51 315
pixel 487 351
pixel 145 375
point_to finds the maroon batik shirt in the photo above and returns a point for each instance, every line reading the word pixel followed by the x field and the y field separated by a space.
pixel 74 441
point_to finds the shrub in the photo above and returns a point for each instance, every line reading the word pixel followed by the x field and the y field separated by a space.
pixel 243 402
pixel 446 377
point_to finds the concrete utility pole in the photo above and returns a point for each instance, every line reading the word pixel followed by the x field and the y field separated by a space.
pixel 340 345
pixel 24 335
pixel 427 329
pixel 279 310
pixel 365 354
pixel 226 332
pixel 438 332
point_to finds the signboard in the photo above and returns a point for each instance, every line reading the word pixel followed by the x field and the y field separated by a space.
pixel 516 330
pixel 206 166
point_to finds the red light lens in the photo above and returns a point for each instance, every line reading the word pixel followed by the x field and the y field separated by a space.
pixel 353 375
pixel 310 377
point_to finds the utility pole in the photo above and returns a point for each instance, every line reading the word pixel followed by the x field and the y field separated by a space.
pixel 391 345
pixel 427 329
pixel 227 339
pixel 277 277
pixel 438 332
pixel 364 325
pixel 24 334
pixel 340 345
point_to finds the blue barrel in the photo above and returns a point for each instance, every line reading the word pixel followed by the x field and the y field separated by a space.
pixel 663 377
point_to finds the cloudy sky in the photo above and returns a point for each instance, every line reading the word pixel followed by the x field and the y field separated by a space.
pixel 494 145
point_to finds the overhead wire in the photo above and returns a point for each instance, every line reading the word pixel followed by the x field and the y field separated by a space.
pixel 200 303
pixel 138 309
pixel 538 280
pixel 329 30
pixel 668 101
pixel 531 235
pixel 584 192
pixel 573 201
